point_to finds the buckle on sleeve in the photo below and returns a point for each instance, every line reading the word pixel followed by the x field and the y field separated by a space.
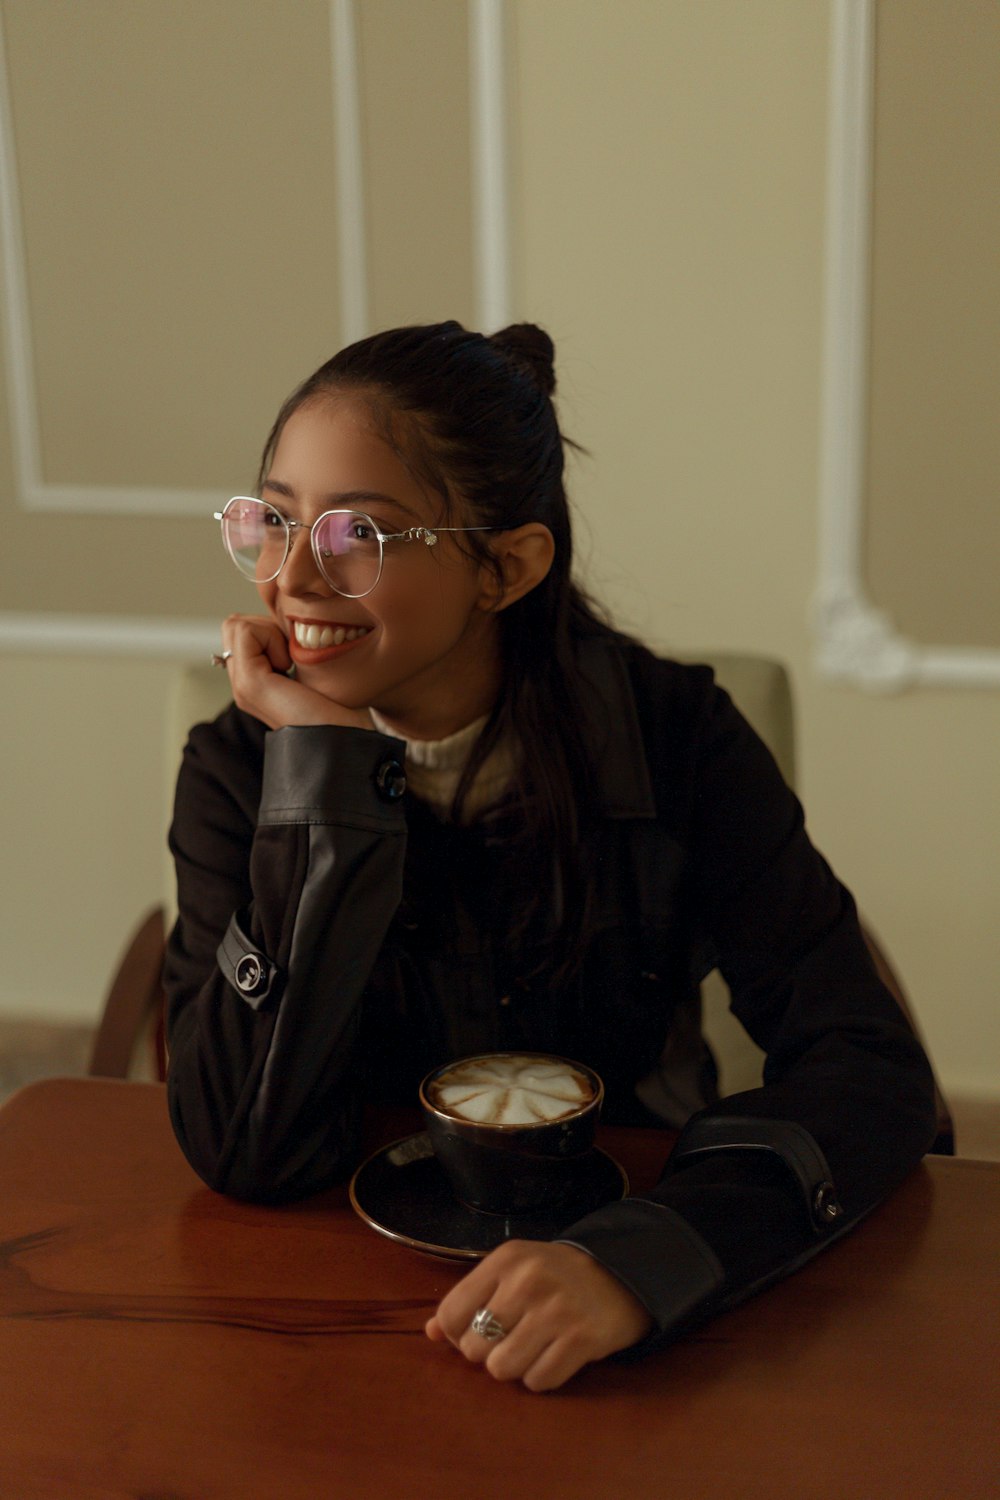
pixel 246 968
pixel 786 1139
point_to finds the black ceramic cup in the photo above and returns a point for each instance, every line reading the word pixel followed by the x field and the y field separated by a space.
pixel 512 1130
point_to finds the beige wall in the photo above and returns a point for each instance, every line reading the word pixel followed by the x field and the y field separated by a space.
pixel 668 166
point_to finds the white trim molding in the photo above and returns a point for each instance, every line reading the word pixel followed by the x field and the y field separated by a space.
pixel 352 227
pixel 110 635
pixel 856 641
pixel 488 135
pixel 33 493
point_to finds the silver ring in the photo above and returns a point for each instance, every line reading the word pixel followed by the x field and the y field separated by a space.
pixel 219 658
pixel 486 1325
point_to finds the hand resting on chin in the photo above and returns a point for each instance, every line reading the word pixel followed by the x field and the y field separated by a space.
pixel 258 671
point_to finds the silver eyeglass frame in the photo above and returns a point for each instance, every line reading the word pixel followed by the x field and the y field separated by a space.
pixel 426 534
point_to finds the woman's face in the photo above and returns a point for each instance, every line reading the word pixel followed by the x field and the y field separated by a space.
pixel 422 647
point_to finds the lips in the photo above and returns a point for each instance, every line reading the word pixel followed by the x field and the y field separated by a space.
pixel 314 641
pixel 319 637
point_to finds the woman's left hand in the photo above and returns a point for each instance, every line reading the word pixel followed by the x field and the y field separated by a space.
pixel 560 1309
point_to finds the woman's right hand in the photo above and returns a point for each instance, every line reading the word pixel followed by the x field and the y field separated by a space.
pixel 258 669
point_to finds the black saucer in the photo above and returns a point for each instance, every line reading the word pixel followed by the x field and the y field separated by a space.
pixel 402 1193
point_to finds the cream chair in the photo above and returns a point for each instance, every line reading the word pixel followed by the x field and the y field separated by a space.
pixel 761 689
pixel 129 1041
pixel 199 694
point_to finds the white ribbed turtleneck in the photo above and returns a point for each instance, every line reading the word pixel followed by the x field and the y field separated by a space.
pixel 434 768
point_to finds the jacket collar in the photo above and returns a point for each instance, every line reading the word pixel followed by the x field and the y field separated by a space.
pixel 624 786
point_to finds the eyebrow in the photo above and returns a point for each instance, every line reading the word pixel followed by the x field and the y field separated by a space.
pixel 345 499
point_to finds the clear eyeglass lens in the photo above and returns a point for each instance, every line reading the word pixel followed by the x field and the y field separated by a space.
pixel 347 545
pixel 256 538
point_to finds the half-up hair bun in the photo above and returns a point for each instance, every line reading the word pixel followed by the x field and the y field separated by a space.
pixel 529 346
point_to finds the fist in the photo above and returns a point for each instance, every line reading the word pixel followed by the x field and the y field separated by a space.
pixel 559 1308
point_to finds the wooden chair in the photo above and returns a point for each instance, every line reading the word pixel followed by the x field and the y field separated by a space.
pixel 130 1038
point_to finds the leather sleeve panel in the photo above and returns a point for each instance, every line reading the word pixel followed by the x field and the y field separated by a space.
pixel 264 1097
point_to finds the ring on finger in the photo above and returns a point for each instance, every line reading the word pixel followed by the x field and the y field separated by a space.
pixel 487 1326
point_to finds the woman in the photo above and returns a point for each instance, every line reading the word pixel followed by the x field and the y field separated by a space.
pixel 585 832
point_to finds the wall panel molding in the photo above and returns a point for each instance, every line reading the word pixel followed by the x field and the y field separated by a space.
pixel 33 493
pixel 187 640
pixel 855 641
pixel 191 639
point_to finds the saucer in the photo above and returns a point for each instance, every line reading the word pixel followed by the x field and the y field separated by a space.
pixel 402 1192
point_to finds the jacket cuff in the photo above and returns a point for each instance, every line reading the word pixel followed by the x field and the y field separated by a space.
pixel 654 1253
pixel 321 773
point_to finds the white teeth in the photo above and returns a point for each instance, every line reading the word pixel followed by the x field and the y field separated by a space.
pixel 318 637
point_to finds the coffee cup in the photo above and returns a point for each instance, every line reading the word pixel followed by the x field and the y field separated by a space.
pixel 512 1129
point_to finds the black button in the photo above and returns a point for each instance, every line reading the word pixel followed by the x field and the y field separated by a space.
pixel 390 780
pixel 251 976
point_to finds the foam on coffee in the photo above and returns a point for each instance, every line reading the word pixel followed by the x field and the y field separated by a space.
pixel 511 1090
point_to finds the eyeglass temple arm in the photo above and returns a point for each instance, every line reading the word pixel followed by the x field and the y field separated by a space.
pixel 428 534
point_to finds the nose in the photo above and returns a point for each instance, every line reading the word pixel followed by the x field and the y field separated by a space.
pixel 300 574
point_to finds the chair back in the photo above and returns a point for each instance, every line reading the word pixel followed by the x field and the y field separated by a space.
pixel 198 695
pixel 761 690
pixel 758 685
pixel 129 1041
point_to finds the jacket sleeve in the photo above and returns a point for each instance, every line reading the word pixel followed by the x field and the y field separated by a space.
pixel 760 1181
pixel 283 907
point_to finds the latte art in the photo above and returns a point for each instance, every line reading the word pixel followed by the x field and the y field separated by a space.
pixel 511 1090
pixel 512 1131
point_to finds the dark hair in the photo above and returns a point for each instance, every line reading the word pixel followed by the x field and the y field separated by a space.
pixel 472 416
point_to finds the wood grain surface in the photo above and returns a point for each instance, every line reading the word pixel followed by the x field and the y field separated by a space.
pixel 159 1341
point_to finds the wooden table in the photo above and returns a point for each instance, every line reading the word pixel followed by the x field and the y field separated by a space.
pixel 160 1341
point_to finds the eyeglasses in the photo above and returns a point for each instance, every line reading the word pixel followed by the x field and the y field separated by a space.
pixel 347 544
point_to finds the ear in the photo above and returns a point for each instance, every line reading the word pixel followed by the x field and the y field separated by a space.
pixel 524 556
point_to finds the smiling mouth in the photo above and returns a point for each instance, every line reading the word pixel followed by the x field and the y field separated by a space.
pixel 321 637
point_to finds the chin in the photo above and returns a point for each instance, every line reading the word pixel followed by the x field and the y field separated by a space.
pixel 333 686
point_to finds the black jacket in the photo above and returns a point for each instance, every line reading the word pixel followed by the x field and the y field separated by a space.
pixel 334 943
